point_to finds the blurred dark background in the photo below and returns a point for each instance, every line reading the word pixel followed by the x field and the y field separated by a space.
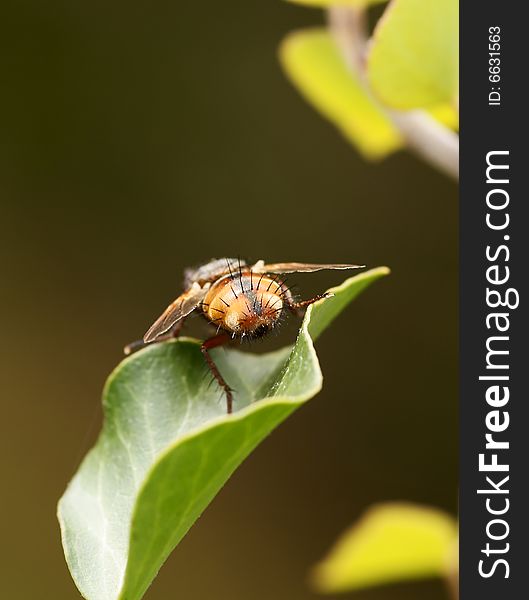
pixel 137 139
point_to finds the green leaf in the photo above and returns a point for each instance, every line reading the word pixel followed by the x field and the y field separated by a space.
pixel 392 542
pixel 314 65
pixel 168 446
pixel 328 3
pixel 413 60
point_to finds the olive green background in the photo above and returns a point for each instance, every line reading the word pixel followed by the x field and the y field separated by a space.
pixel 138 138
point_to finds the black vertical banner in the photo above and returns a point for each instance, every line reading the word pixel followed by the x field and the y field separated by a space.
pixel 494 324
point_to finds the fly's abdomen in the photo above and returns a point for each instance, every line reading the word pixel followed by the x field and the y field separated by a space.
pixel 246 303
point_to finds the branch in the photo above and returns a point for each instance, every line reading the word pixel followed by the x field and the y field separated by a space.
pixel 433 142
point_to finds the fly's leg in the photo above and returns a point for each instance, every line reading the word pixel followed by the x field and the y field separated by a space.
pixel 297 307
pixel 171 334
pixel 134 347
pixel 208 345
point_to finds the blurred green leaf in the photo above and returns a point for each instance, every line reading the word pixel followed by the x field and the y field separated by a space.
pixel 446 114
pixel 313 63
pixel 327 3
pixel 392 542
pixel 413 58
pixel 167 447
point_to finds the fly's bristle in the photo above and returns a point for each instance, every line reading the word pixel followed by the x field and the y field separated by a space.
pixel 272 280
pixel 211 382
pixel 267 305
pixel 229 269
pixel 276 301
pixel 284 287
pixel 289 288
pixel 240 273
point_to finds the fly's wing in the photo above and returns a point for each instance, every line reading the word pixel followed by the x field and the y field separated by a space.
pixel 180 308
pixel 296 267
pixel 214 269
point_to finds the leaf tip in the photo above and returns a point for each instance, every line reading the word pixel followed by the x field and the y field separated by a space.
pixel 391 542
